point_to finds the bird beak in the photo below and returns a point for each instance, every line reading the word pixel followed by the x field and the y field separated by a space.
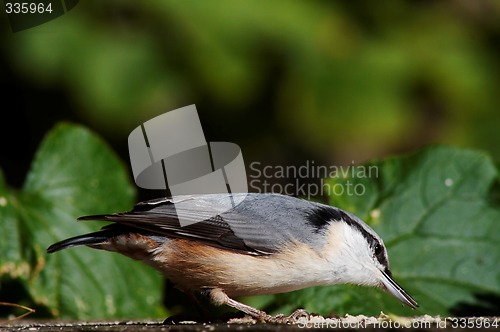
pixel 392 287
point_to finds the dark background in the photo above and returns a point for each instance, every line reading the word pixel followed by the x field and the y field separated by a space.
pixel 292 81
pixel 288 81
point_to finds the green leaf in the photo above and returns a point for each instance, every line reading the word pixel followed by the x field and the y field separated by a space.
pixel 73 174
pixel 437 213
pixel 11 263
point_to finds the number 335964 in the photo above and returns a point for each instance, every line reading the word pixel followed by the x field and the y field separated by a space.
pixel 27 7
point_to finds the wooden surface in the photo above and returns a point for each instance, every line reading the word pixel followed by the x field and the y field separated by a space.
pixel 346 323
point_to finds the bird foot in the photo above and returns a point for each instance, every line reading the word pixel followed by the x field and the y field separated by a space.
pixel 218 296
pixel 291 319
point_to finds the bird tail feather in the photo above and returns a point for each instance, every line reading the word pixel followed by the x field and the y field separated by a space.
pixel 83 240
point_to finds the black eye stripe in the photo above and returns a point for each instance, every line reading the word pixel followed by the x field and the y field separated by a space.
pixel 323 216
pixel 379 252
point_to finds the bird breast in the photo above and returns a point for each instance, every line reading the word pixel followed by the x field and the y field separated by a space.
pixel 193 265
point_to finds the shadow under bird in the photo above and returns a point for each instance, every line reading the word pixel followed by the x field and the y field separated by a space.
pixel 267 244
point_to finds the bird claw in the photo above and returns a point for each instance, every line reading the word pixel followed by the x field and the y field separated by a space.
pixel 293 318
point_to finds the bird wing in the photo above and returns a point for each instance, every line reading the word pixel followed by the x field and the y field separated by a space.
pixel 258 225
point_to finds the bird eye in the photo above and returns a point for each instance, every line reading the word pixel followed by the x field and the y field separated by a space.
pixel 378 249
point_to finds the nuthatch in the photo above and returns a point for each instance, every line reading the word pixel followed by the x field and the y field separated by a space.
pixel 266 244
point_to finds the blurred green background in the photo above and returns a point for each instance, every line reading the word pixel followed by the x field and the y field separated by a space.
pixel 288 81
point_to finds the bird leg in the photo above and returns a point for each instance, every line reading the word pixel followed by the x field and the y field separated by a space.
pixel 219 297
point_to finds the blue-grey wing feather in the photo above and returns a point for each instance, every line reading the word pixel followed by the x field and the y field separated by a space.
pixel 260 224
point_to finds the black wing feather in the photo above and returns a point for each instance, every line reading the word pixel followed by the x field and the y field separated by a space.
pixel 162 220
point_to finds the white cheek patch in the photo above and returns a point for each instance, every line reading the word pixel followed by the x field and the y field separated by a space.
pixel 350 256
pixel 355 242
